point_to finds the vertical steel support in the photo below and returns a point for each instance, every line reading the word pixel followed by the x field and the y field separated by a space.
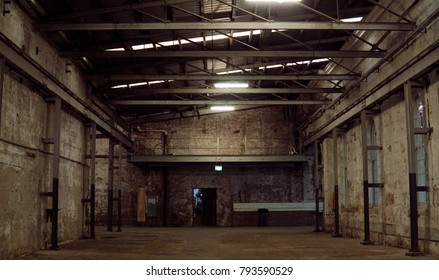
pixel 366 240
pixel 336 198
pixel 119 210
pixel 317 185
pixel 92 182
pixel 55 169
pixel 2 74
pixel 110 185
pixel 408 98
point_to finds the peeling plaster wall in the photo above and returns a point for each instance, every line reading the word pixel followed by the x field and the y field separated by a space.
pixel 25 162
pixel 390 218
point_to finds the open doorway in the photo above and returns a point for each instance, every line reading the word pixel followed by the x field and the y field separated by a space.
pixel 204 207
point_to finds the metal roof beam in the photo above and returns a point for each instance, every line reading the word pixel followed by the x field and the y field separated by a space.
pixel 374 26
pixel 216 102
pixel 141 92
pixel 148 159
pixel 213 54
pixel 115 9
pixel 194 77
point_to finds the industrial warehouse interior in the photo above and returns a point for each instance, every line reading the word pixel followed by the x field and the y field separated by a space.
pixel 219 129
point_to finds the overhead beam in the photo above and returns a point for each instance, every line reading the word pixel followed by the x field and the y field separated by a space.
pixel 14 57
pixel 148 159
pixel 115 9
pixel 213 54
pixel 257 25
pixel 213 91
pixel 194 77
pixel 215 102
pixel 172 115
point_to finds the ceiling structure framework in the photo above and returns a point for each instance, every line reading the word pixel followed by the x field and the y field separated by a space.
pixel 153 58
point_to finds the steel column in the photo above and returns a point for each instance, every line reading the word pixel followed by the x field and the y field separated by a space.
pixel 408 98
pixel 55 171
pixel 119 210
pixel 317 185
pixel 336 199
pixel 92 182
pixel 2 74
pixel 110 185
pixel 366 240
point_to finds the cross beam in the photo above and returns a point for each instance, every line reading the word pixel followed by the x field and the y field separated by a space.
pixel 194 77
pixel 256 25
pixel 213 91
pixel 216 102
pixel 213 54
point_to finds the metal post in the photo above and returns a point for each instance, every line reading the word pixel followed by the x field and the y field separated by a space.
pixel 408 98
pixel 92 182
pixel 55 169
pixel 110 185
pixel 119 211
pixel 2 74
pixel 336 201
pixel 316 185
pixel 366 240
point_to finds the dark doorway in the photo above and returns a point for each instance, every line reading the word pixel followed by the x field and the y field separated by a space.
pixel 204 207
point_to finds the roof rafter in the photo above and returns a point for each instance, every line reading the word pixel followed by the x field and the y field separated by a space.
pixel 216 102
pixel 194 77
pixel 258 25
pixel 213 54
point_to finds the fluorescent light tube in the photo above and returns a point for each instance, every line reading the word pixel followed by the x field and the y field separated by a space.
pixel 222 108
pixel 231 85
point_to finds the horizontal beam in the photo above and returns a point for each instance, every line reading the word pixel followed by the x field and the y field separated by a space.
pixel 140 92
pixel 147 159
pixel 172 115
pixel 32 70
pixel 212 54
pixel 215 102
pixel 257 25
pixel 194 77
pixel 116 9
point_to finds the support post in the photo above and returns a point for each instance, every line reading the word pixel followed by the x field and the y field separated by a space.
pixel 55 169
pixel 336 199
pixel 119 211
pixel 408 98
pixel 317 185
pixel 92 182
pixel 2 74
pixel 366 240
pixel 110 185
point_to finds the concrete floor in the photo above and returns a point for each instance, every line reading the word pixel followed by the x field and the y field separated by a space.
pixel 248 243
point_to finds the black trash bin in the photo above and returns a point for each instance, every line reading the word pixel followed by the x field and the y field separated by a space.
pixel 262 217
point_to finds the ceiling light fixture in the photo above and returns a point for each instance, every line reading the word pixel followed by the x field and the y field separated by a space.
pixel 271 1
pixel 230 85
pixel 218 167
pixel 224 108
